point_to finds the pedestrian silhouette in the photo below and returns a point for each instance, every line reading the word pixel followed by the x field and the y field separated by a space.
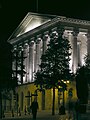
pixel 34 107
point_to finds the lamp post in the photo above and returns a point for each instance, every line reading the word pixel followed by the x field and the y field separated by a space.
pixel 61 90
pixel 61 105
pixel 59 94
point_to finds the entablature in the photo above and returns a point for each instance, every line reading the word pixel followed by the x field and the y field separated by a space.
pixel 67 23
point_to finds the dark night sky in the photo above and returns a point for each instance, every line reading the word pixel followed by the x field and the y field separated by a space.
pixel 13 11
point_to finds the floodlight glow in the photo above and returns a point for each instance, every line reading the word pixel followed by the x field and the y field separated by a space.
pixel 33 25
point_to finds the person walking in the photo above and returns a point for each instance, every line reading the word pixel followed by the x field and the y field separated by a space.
pixel 34 107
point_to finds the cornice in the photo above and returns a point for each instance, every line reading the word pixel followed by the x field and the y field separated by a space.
pixel 50 24
pixel 75 21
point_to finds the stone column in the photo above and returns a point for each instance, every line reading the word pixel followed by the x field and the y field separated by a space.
pixel 26 61
pixel 71 50
pixel 88 43
pixel 79 53
pixel 38 53
pixel 20 60
pixel 45 42
pixel 75 56
pixel 14 62
pixel 31 60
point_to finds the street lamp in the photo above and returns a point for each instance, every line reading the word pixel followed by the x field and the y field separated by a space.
pixel 61 88
pixel 59 94
pixel 61 106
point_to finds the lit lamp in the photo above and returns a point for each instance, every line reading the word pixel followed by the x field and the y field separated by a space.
pixel 59 94
pixel 61 89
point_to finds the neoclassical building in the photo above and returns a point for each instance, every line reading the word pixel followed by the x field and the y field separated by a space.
pixel 29 42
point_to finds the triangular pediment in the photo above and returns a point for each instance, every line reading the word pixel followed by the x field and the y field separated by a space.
pixel 30 22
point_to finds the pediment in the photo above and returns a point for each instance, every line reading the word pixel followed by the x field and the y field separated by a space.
pixel 30 22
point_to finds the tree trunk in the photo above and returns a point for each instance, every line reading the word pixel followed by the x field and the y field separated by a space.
pixel 53 105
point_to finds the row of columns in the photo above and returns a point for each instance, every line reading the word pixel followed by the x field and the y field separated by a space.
pixel 32 52
pixel 34 48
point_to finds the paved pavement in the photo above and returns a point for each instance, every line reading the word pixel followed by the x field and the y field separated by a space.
pixel 45 115
pixel 41 115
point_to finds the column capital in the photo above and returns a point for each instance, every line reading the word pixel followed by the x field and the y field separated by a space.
pixel 38 40
pixel 31 43
pixel 20 47
pixel 25 45
pixel 75 32
pixel 54 34
pixel 14 48
pixel 45 37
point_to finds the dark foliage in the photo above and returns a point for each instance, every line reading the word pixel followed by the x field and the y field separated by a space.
pixel 54 67
pixel 82 84
pixel 54 63
pixel 6 81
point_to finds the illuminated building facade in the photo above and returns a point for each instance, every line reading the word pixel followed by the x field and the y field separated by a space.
pixel 30 40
